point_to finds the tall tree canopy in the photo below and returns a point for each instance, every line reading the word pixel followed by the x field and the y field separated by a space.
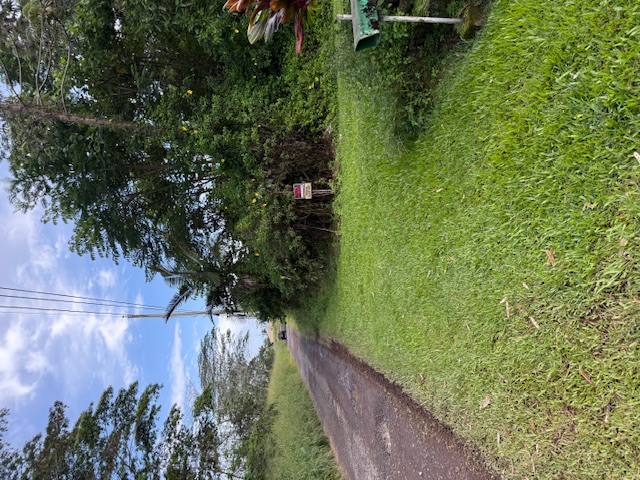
pixel 122 436
pixel 161 134
pixel 233 382
pixel 99 123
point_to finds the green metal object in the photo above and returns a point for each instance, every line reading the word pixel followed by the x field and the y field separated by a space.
pixel 365 21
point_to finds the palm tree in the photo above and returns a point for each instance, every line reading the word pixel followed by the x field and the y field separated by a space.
pixel 189 283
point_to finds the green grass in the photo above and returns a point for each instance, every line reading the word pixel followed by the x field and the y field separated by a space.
pixel 301 450
pixel 498 254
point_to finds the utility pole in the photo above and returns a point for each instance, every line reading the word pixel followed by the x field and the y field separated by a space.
pixel 186 314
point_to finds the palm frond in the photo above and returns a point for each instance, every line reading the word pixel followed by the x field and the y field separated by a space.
pixel 210 278
pixel 161 269
pixel 171 277
pixel 183 295
pixel 176 280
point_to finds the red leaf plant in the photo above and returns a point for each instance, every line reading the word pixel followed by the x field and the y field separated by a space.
pixel 268 15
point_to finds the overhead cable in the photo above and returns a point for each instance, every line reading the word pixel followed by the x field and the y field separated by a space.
pixel 114 302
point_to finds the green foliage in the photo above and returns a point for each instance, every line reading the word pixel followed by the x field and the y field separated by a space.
pixel 234 392
pixel 260 446
pixel 144 129
pixel 285 240
pixel 401 72
pixel 116 439
pixel 203 278
pixel 496 258
pixel 309 79
pixel 120 439
pixel 10 460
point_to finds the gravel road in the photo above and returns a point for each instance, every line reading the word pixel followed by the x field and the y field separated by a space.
pixel 376 431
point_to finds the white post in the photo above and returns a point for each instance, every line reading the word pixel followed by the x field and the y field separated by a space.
pixel 396 18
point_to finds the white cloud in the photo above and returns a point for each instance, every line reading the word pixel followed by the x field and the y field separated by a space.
pixel 71 351
pixel 229 323
pixel 42 257
pixel 240 326
pixel 62 247
pixel 138 301
pixel 13 353
pixel 106 279
pixel 177 371
pixel 64 353
pixel 72 356
pixel 37 362
pixel 115 334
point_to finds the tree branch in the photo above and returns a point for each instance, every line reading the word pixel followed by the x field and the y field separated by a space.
pixel 42 113
pixel 46 75
pixel 66 65
pixel 37 67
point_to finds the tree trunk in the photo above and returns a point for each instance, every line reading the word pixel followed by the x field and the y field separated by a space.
pixel 21 110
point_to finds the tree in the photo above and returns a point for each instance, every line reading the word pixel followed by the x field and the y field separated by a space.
pixel 234 388
pixel 123 198
pixel 52 460
pixel 35 48
pixel 154 128
pixel 101 124
pixel 91 79
pixel 119 439
pixel 189 283
pixel 9 458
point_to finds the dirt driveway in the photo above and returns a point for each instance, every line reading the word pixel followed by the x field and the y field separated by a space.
pixel 376 431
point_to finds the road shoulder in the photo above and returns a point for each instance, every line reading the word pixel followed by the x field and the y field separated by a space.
pixel 376 430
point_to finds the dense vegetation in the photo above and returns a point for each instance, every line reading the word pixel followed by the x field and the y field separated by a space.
pixel 168 140
pixel 120 437
pixel 491 266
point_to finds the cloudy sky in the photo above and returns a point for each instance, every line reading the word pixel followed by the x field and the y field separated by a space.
pixel 70 356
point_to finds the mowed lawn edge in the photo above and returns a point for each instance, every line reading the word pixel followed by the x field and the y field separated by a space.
pixel 491 268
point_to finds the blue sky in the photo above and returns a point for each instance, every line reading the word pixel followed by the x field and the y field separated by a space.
pixel 74 357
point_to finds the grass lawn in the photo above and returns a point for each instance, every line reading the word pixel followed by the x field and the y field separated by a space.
pixel 491 267
pixel 301 450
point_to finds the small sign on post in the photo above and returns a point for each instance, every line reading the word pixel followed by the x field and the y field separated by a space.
pixel 302 191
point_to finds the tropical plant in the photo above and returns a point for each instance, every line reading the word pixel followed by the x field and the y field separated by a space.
pixel 268 15
pixel 189 284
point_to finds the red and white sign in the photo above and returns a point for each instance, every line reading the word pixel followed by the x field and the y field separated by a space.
pixel 302 191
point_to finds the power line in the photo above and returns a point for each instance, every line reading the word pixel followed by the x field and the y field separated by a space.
pixel 44 314
pixel 72 301
pixel 61 310
pixel 55 314
pixel 115 302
